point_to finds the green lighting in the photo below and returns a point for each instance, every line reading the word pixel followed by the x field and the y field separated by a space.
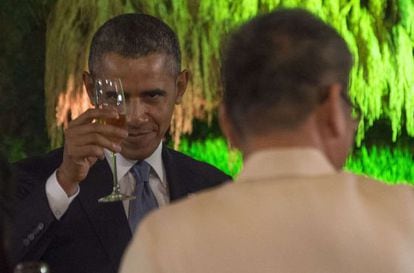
pixel 394 166
pixel 214 151
pixel 380 34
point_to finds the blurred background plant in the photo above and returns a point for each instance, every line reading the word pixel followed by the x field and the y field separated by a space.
pixel 22 67
pixel 45 44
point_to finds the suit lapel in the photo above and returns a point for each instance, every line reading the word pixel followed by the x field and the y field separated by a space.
pixel 178 186
pixel 108 219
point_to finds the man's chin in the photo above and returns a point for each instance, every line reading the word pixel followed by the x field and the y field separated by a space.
pixel 138 150
pixel 136 155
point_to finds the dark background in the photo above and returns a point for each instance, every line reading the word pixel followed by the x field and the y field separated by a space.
pixel 22 62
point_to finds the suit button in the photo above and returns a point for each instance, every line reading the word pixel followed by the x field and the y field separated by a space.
pixel 31 237
pixel 40 226
pixel 26 242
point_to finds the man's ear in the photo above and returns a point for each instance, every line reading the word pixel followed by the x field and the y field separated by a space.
pixel 181 85
pixel 331 113
pixel 227 127
pixel 89 85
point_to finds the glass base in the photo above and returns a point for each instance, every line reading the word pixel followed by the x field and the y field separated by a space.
pixel 114 197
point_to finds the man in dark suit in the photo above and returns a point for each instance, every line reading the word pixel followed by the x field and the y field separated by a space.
pixel 59 219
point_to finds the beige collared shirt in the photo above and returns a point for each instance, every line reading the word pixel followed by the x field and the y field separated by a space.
pixel 289 211
pixel 59 201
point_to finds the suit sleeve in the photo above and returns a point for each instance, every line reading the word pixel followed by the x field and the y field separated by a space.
pixel 34 222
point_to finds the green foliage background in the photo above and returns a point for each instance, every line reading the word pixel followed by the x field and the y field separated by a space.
pixel 380 34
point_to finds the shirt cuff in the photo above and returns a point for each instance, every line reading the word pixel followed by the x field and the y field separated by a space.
pixel 58 199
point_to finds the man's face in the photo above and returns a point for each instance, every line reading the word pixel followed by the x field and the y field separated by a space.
pixel 151 91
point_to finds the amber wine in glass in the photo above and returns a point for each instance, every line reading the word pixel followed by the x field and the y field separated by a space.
pixel 109 93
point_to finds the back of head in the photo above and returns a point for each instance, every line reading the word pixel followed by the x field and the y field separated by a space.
pixel 134 35
pixel 275 68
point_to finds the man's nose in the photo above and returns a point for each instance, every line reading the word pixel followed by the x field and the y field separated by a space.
pixel 136 111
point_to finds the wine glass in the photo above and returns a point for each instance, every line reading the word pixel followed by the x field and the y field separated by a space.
pixel 110 94
pixel 31 267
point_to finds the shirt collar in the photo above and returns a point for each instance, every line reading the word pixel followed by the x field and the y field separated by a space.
pixel 286 162
pixel 125 164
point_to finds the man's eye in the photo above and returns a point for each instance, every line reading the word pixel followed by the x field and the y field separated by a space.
pixel 154 95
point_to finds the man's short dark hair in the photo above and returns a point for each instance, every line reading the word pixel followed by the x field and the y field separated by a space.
pixel 276 66
pixel 134 35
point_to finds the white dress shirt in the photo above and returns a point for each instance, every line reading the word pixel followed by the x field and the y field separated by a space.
pixel 59 201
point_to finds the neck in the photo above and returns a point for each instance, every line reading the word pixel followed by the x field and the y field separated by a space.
pixel 303 136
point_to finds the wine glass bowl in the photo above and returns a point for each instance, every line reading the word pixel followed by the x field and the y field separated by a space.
pixel 109 93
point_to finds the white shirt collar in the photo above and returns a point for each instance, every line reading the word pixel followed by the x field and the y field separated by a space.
pixel 124 164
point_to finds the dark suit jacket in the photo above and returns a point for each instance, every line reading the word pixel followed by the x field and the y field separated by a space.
pixel 91 237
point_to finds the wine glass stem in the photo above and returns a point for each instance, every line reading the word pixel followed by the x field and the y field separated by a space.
pixel 115 174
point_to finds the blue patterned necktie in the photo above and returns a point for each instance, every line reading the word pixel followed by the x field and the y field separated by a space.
pixel 145 200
